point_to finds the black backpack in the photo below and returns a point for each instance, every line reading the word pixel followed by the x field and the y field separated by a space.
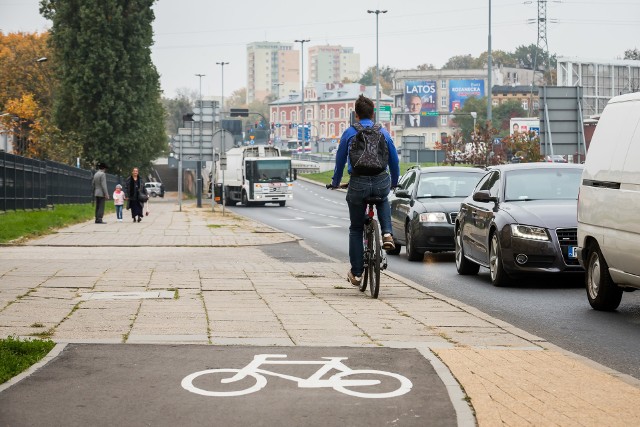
pixel 369 153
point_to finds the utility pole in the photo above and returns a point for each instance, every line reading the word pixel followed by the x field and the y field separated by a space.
pixel 302 115
pixel 277 121
pixel 377 12
pixel 199 162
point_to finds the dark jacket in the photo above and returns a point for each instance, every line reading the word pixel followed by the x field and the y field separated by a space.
pixel 130 188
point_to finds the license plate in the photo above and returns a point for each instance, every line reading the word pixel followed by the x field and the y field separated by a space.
pixel 573 251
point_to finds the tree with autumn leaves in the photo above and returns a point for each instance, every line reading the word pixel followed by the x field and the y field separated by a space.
pixel 26 97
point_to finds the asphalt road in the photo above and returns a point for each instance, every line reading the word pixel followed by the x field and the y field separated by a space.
pixel 552 307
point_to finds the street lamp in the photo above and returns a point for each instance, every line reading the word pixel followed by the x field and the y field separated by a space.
pixel 222 64
pixel 277 121
pixel 377 12
pixel 302 42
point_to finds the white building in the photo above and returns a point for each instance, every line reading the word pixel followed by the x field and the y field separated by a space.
pixel 333 64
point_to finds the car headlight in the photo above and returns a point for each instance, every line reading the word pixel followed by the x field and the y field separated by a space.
pixel 529 232
pixel 433 217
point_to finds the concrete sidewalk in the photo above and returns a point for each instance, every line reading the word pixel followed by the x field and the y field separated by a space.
pixel 199 277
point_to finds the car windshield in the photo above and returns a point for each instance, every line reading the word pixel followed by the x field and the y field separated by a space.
pixel 542 184
pixel 448 183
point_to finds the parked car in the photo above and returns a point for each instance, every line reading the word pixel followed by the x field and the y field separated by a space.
pixel 154 189
pixel 556 158
pixel 424 207
pixel 608 226
pixel 520 218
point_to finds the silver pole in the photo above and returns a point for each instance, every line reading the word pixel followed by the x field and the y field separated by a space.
pixel 489 115
pixel 180 175
pixel 377 12
pixel 302 115
pixel 199 163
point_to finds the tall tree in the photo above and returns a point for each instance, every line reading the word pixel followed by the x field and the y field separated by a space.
pixel 632 54
pixel 461 62
pixel 176 108
pixel 386 78
pixel 109 92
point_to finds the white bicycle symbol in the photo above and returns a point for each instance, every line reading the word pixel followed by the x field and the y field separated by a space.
pixel 337 381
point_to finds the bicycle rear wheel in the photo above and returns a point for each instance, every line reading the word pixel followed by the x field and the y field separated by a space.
pixel 375 256
pixel 367 250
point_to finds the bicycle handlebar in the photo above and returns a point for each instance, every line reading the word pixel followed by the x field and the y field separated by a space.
pixel 342 185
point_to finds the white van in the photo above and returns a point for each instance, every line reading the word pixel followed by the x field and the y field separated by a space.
pixel 609 205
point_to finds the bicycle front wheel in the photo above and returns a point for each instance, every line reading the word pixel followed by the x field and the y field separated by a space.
pixel 375 257
pixel 215 379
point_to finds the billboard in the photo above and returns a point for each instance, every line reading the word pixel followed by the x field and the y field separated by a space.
pixel 524 125
pixel 460 90
pixel 420 97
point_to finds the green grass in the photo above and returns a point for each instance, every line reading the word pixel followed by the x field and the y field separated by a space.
pixel 325 177
pixel 17 356
pixel 27 224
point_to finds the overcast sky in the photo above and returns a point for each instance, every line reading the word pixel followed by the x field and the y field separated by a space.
pixel 192 35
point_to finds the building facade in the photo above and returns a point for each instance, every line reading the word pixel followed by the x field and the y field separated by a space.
pixel 272 68
pixel 333 64
pixel 600 80
pixel 423 100
pixel 328 109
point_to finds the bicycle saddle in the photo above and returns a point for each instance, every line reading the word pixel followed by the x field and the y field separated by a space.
pixel 374 200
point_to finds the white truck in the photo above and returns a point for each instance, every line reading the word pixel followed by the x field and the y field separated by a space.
pixel 255 175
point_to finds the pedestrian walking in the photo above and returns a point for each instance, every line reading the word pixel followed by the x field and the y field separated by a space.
pixel 136 195
pixel 100 191
pixel 118 201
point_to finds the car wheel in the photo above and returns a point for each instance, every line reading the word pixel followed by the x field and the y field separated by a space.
pixel 463 265
pixel 154 195
pixel 602 292
pixel 245 199
pixel 498 275
pixel 412 253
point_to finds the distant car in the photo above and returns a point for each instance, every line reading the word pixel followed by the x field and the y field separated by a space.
pixel 154 189
pixel 424 207
pixel 556 158
pixel 521 218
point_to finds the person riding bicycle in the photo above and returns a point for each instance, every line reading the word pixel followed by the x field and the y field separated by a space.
pixel 363 186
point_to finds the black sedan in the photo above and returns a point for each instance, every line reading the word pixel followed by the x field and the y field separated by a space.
pixel 521 218
pixel 424 207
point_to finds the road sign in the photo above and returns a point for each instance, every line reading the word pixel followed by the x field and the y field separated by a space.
pixel 385 113
pixel 432 113
pixel 239 112
pixel 195 131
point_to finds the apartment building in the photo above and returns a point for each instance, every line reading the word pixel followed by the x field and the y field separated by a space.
pixel 272 67
pixel 333 64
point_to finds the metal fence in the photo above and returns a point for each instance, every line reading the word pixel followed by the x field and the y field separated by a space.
pixel 35 184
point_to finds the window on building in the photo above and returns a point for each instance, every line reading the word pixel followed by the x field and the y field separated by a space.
pixel 323 130
pixel 332 130
pixel 309 114
pixel 322 114
pixel 494 102
pixel 434 137
pixel 443 84
pixel 342 128
pixel 283 116
pixel 536 105
pixel 525 104
pixel 444 120
pixel 294 116
pixel 443 101
pixel 332 114
pixel 342 111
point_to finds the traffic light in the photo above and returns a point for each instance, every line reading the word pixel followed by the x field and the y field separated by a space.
pixel 273 126
pixel 255 125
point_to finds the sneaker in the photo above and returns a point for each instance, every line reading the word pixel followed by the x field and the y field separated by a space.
pixel 355 281
pixel 387 242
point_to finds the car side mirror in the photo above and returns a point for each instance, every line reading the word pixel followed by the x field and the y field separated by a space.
pixel 402 194
pixel 484 196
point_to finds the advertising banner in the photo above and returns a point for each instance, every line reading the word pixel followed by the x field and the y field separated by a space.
pixel 420 97
pixel 460 90
pixel 524 125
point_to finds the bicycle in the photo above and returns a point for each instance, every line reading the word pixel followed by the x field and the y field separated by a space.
pixel 337 381
pixel 375 260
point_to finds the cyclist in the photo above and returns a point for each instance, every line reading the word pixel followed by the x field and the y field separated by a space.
pixel 361 186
